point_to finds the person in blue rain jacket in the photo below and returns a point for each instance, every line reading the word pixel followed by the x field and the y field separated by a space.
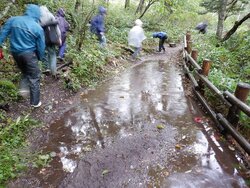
pixel 162 37
pixel 27 46
pixel 98 26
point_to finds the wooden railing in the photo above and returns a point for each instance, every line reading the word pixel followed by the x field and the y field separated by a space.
pixel 234 102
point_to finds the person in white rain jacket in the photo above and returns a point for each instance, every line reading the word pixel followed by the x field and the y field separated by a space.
pixel 46 19
pixel 135 37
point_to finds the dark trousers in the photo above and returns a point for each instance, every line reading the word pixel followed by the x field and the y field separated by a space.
pixel 27 62
pixel 161 44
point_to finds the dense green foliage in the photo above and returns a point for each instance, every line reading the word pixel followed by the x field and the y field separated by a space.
pixel 13 156
pixel 8 91
pixel 230 66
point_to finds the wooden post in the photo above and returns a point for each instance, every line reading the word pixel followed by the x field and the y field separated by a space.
pixel 188 36
pixel 189 47
pixel 205 70
pixel 206 64
pixel 194 55
pixel 241 92
pixel 185 42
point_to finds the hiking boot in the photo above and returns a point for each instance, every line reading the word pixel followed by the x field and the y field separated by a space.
pixel 38 105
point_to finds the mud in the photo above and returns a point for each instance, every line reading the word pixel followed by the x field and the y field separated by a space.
pixel 136 130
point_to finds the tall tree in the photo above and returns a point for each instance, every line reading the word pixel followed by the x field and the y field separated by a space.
pixel 149 4
pixel 127 4
pixel 221 18
pixel 224 9
pixel 140 7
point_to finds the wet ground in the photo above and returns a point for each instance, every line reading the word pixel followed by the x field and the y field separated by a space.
pixel 138 129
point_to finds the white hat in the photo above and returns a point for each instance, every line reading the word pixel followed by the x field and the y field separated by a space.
pixel 138 22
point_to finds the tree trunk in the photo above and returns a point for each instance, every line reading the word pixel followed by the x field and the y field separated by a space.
pixel 151 2
pixel 235 27
pixel 83 29
pixel 77 5
pixel 140 6
pixel 127 4
pixel 221 18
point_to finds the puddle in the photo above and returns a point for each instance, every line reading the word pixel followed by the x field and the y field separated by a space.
pixel 113 129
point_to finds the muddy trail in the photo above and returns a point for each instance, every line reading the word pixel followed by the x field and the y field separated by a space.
pixel 141 128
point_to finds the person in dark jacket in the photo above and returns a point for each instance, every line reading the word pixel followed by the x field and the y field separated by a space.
pixel 27 46
pixel 202 27
pixel 98 26
pixel 162 37
pixel 64 28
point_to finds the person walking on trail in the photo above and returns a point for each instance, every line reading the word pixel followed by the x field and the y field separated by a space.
pixel 27 46
pixel 97 26
pixel 202 27
pixel 52 38
pixel 64 28
pixel 135 37
pixel 162 37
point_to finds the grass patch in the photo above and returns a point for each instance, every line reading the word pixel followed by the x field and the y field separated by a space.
pixel 13 145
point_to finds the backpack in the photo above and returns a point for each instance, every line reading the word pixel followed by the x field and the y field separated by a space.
pixel 51 35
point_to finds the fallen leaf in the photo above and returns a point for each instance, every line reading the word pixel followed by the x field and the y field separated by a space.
pixel 231 148
pixel 198 119
pixel 177 146
pixel 53 154
pixel 104 172
pixel 160 127
pixel 43 171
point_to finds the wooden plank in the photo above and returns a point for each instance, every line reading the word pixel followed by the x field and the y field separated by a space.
pixel 241 105
pixel 193 62
pixel 191 77
pixel 185 43
pixel 210 111
pixel 213 88
pixel 237 136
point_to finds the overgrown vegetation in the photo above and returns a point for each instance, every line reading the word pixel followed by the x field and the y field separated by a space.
pixel 230 59
pixel 14 157
pixel 230 66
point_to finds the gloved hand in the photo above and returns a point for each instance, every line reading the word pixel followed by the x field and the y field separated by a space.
pixel 1 54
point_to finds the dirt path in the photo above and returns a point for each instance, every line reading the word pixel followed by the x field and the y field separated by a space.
pixel 134 130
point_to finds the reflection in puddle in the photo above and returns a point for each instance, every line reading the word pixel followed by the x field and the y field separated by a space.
pixel 202 178
pixel 68 164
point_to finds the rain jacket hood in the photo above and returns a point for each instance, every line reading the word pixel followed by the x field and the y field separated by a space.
pixel 102 10
pixel 33 11
pixel 138 22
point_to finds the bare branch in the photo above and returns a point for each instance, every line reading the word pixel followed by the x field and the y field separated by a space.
pixel 235 27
